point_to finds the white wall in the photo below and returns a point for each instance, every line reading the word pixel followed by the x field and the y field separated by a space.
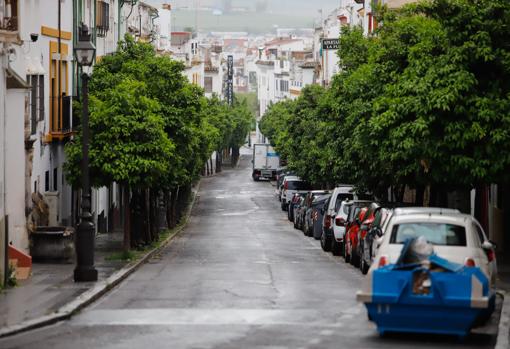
pixel 15 168
pixel 46 156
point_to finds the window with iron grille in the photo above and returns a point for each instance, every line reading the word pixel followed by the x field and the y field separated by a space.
pixel 102 18
pixel 36 100
pixel 9 15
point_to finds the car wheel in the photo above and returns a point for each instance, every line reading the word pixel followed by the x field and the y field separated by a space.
pixel 363 266
pixel 325 242
pixel 354 258
pixel 347 255
pixel 336 247
pixel 307 230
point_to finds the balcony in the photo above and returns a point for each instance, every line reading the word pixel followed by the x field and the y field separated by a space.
pixel 9 21
pixel 61 127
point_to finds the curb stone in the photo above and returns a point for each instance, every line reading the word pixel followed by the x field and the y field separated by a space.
pixel 503 340
pixel 100 288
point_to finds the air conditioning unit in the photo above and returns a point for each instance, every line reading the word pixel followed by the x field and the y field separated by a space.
pixel 51 198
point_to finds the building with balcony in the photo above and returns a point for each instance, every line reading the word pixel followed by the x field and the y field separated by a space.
pixel 13 116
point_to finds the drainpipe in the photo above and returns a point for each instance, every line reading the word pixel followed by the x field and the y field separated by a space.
pixel 154 15
pixel 59 64
pixel 5 266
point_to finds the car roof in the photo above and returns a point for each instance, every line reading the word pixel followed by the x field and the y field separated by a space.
pixel 425 210
pixel 352 202
pixel 292 178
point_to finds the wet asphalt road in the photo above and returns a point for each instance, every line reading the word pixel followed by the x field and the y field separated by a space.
pixel 239 276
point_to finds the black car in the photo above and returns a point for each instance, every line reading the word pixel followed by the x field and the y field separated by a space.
pixel 320 205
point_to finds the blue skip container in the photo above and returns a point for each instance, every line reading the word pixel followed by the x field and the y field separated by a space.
pixel 445 299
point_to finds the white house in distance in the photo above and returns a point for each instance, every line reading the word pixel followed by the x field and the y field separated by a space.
pixel 185 48
pixel 214 72
pixel 164 28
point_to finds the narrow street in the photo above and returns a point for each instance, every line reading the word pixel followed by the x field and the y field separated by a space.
pixel 239 276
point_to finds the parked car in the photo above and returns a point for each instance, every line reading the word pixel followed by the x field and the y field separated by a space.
pixel 341 222
pixel 279 181
pixel 310 199
pixel 339 194
pixel 366 223
pixel 373 232
pixel 351 236
pixel 320 206
pixel 456 237
pixel 299 212
pixel 291 185
pixel 290 209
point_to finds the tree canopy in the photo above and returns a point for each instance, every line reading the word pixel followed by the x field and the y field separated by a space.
pixel 425 101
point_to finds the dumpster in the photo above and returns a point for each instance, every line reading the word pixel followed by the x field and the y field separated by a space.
pixel 433 297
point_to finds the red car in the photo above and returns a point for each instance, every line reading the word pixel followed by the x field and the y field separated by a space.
pixel 351 236
pixel 366 224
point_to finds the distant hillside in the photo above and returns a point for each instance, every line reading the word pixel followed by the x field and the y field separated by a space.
pixel 260 15
pixel 246 22
pixel 297 7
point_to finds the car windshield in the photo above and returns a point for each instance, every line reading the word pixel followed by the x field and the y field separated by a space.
pixel 298 185
pixel 435 233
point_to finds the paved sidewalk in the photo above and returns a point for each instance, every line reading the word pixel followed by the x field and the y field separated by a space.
pixel 51 286
pixel 503 283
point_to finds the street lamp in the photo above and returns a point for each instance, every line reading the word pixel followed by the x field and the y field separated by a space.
pixel 84 52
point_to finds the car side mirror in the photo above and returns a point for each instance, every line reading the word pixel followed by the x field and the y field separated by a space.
pixel 488 245
pixel 340 222
pixel 378 232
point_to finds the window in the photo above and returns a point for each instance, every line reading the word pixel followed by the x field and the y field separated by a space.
pixel 284 86
pixel 276 84
pixel 435 233
pixel 58 79
pixel 340 198
pixel 208 84
pixel 102 18
pixel 298 185
pixel 55 179
pixel 479 232
pixel 36 100
pixel 47 181
pixel 9 17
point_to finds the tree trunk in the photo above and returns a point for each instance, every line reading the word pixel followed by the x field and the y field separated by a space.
pixel 482 206
pixel 168 208
pixel 173 207
pixel 399 193
pixel 137 216
pixel 420 194
pixel 218 161
pixel 235 156
pixel 127 218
